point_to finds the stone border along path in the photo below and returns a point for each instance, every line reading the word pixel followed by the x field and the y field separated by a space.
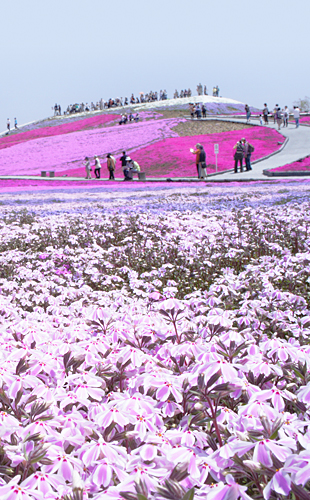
pixel 296 147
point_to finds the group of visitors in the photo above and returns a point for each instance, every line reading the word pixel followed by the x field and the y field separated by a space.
pixel 280 116
pixel 243 150
pixel 129 167
pixel 8 125
pixel 216 91
pixel 129 118
pixel 199 110
pixel 183 93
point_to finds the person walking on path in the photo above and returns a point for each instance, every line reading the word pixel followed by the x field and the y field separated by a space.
pixel 248 112
pixel 238 156
pixel 197 153
pixel 87 168
pixel 97 167
pixel 202 163
pixel 15 124
pixel 296 115
pixel 285 116
pixel 8 125
pixel 265 114
pixel 247 151
pixel 278 116
pixel 111 166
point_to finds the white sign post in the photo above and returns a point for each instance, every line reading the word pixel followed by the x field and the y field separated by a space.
pixel 216 152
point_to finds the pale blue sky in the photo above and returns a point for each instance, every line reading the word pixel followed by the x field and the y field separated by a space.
pixel 69 51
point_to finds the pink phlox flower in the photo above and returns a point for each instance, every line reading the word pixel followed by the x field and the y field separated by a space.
pixel 219 317
pixel 263 448
pixel 136 356
pixel 98 450
pixel 299 467
pixel 151 474
pixel 135 402
pixel 72 398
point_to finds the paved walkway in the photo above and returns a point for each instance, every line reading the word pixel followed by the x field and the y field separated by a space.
pixel 298 146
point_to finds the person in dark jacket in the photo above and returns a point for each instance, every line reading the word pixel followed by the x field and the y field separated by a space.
pixel 202 163
pixel 238 156
pixel 124 160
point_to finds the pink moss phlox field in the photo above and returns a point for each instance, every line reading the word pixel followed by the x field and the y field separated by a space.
pixel 67 151
pixel 60 129
pixel 172 156
pixel 156 345
pixel 297 166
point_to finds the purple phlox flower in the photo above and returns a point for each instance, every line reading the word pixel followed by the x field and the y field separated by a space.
pixel 43 256
pixel 63 463
pixel 169 304
pixel 182 454
pixel 166 388
pixel 299 467
pixel 23 381
pixel 150 474
pixel 148 452
pixel 14 491
pixel 263 448
pixel 257 409
pixel 275 395
pixel 144 423
pixel 221 491
pixel 219 317
pixel 280 483
pixel 103 473
pixel 304 394
pixel 109 415
pixel 97 450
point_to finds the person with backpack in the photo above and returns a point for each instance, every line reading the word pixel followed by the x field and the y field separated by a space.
pixel 238 156
pixel 247 151
pixel 279 117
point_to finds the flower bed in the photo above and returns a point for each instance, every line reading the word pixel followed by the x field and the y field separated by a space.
pixel 161 355
pixel 55 129
pixel 68 150
pixel 172 157
pixel 298 166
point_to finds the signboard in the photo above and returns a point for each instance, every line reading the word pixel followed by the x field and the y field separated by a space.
pixel 216 149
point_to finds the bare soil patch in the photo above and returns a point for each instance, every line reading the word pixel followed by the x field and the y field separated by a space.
pixel 190 128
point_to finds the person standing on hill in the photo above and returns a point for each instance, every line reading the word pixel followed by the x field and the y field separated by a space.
pixel 15 124
pixel 247 151
pixel 8 125
pixel 296 115
pixel 97 167
pixel 87 168
pixel 202 163
pixel 265 114
pixel 238 156
pixel 197 152
pixel 248 112
pixel 111 166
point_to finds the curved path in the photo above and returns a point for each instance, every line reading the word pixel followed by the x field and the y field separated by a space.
pixel 298 146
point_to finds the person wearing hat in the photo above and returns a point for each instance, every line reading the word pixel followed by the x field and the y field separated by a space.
pixel 97 167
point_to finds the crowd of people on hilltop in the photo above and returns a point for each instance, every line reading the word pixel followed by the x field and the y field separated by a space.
pixel 116 102
pixel 183 93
